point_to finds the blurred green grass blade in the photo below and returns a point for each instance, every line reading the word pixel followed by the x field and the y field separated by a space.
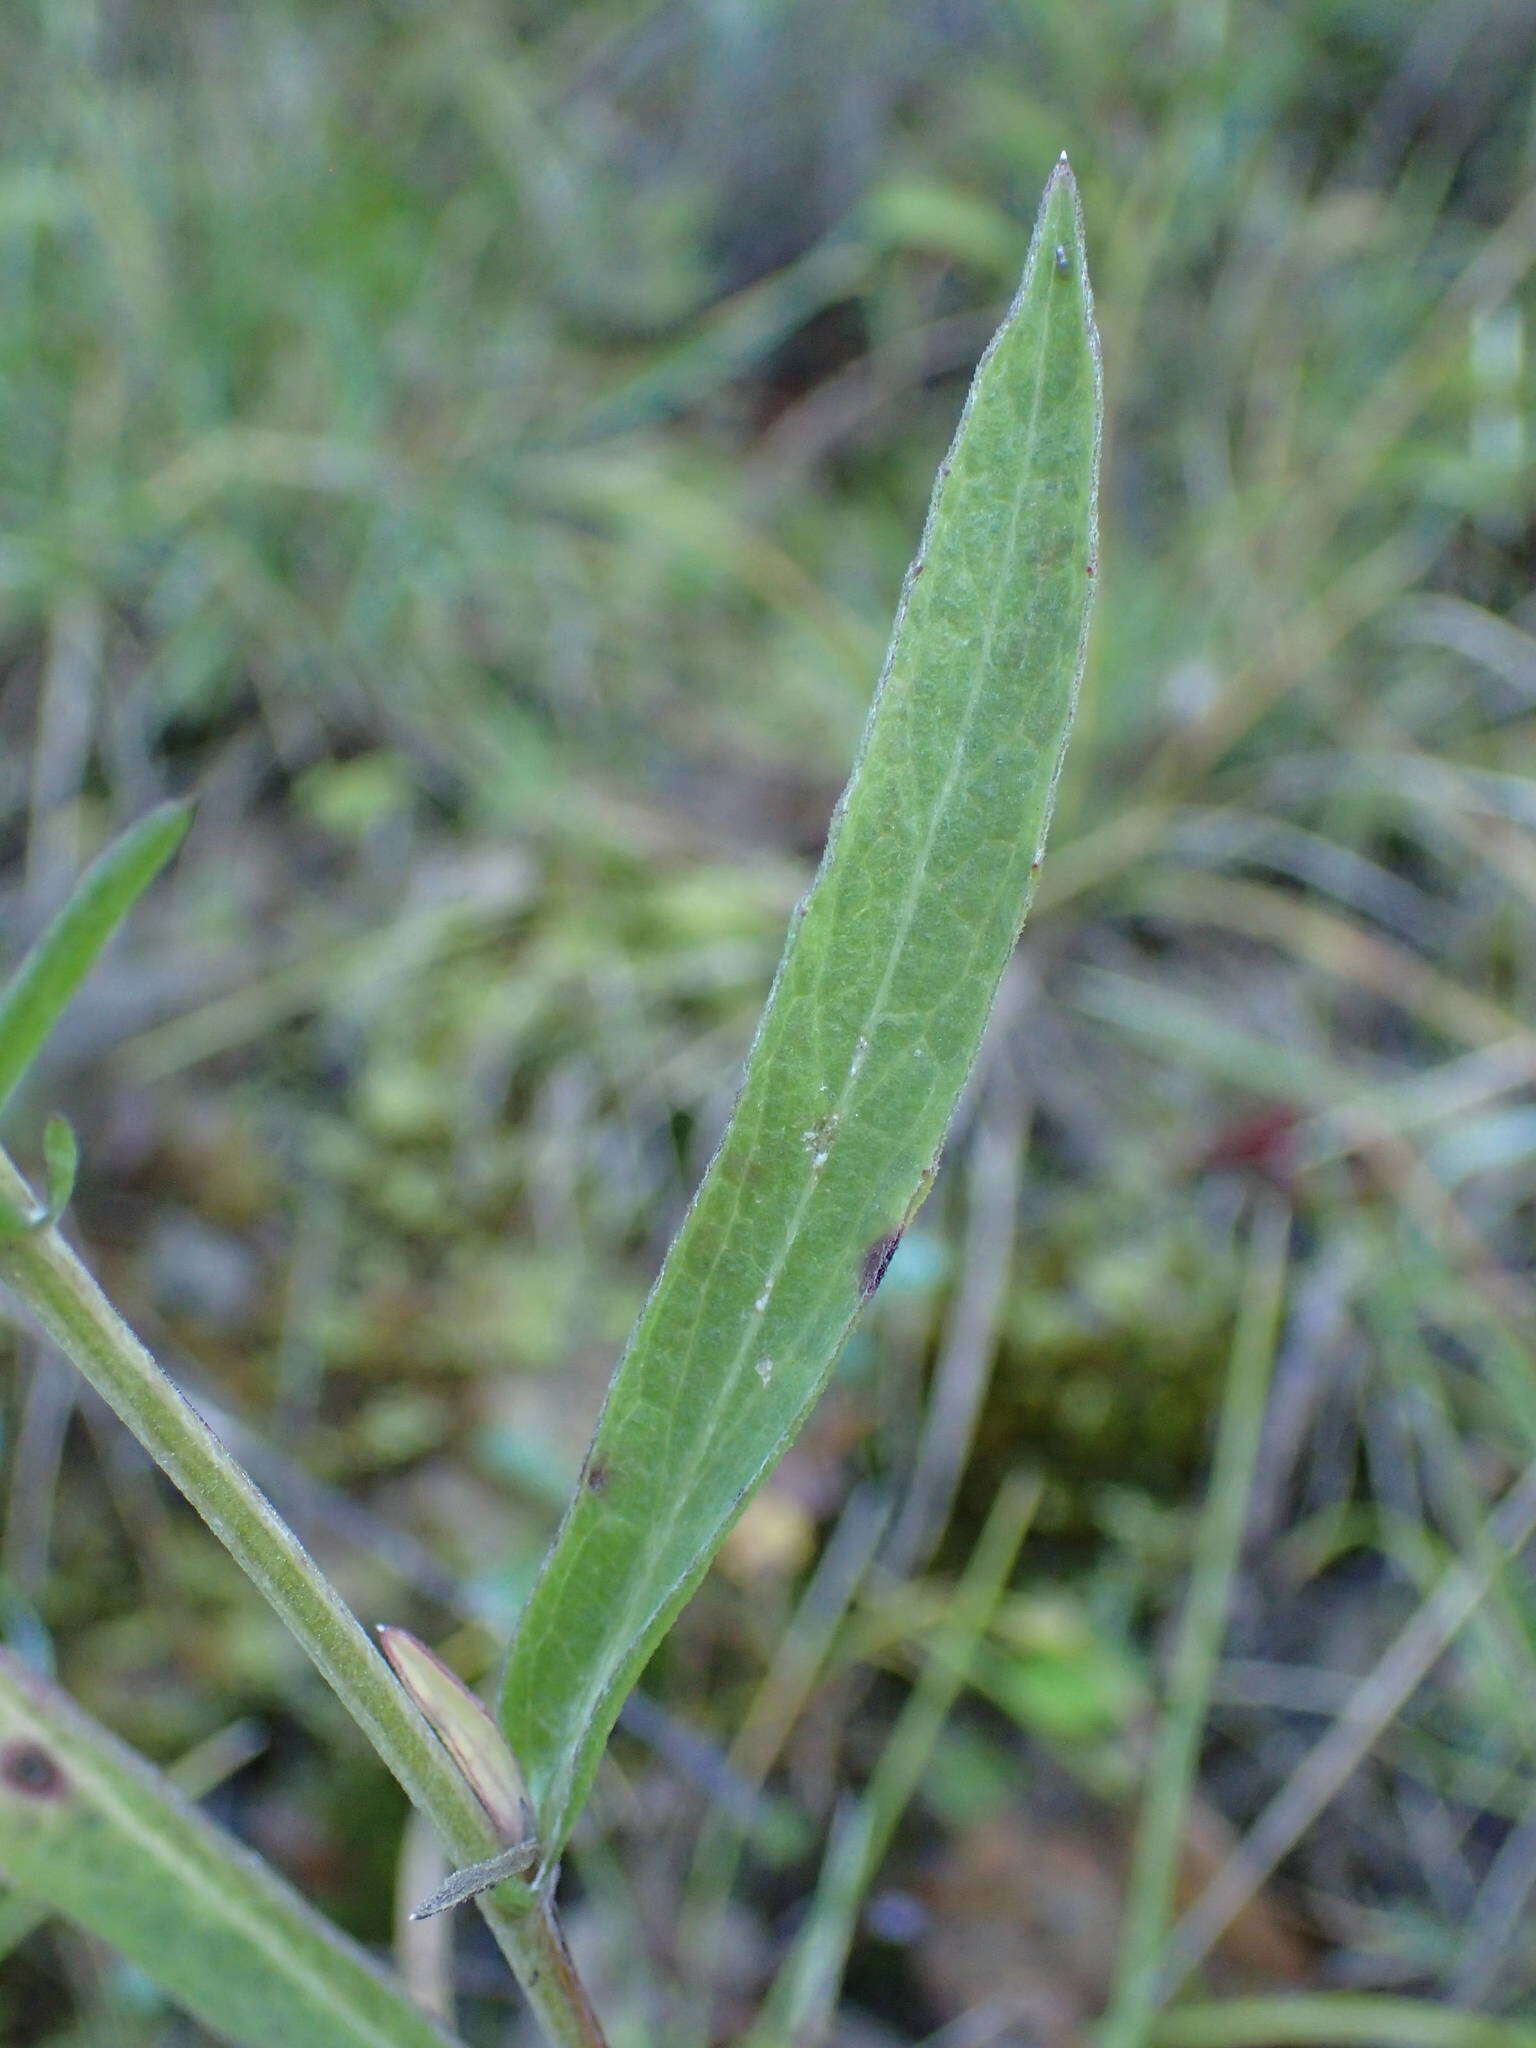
pixel 194 1776
pixel 873 1022
pixel 1321 2018
pixel 1176 1752
pixel 1207 1044
pixel 730 340
pixel 89 1829
pixel 40 990
pixel 799 1662
pixel 801 2003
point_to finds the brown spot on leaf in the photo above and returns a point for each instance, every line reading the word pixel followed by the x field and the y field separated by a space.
pixel 876 1259
pixel 596 1477
pixel 28 1768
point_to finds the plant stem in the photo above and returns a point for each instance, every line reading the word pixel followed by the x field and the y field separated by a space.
pixel 44 1274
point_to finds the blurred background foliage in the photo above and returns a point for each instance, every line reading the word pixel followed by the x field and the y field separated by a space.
pixel 475 449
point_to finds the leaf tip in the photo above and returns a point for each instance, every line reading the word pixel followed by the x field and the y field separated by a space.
pixel 1059 223
pixel 181 810
pixel 160 831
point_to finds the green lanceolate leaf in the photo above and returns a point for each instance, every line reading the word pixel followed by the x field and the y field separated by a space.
pixel 87 1828
pixel 871 1028
pixel 40 989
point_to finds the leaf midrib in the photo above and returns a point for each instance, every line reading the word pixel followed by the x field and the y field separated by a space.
pixel 895 954
pixel 244 1913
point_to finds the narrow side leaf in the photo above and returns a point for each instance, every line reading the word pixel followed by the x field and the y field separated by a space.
pixel 61 1160
pixel 465 1729
pixel 40 990
pixel 61 1163
pixel 89 1829
pixel 872 1025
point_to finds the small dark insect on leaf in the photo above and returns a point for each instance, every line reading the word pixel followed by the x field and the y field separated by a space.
pixel 1063 263
pixel 876 1259
pixel 597 1477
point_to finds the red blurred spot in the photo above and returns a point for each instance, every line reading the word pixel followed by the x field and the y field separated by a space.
pixel 1264 1144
